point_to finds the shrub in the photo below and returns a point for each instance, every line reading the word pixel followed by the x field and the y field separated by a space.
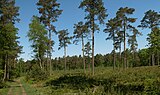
pixel 37 73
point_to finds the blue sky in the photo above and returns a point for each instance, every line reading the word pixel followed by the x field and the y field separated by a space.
pixel 72 14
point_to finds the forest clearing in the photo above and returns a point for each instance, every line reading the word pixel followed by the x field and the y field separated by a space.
pixel 79 47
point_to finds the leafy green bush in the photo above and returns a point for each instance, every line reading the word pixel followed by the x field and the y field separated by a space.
pixel 36 73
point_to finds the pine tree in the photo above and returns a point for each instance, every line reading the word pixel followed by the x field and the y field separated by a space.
pixel 80 32
pixel 122 15
pixel 96 12
pixel 151 20
pixel 112 27
pixel 9 46
pixel 64 41
pixel 49 10
pixel 132 42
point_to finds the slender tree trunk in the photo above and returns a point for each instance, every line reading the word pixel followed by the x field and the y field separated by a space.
pixel 158 58
pixel 93 28
pixel 124 44
pixel 8 68
pixel 89 64
pixel 56 64
pixel 114 57
pixel 46 65
pixel 50 51
pixel 120 55
pixel 149 61
pixel 153 60
pixel 40 61
pixel 5 68
pixel 65 58
pixel 84 64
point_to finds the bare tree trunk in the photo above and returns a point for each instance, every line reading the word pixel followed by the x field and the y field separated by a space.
pixel 40 61
pixel 120 55
pixel 124 44
pixel 50 51
pixel 5 68
pixel 149 61
pixel 158 58
pixel 153 60
pixel 65 58
pixel 89 64
pixel 8 68
pixel 114 59
pixel 46 65
pixel 84 64
pixel 93 45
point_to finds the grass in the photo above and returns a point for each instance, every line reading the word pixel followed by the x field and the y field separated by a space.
pixel 4 91
pixel 132 81
pixel 138 80
pixel 29 88
pixel 14 85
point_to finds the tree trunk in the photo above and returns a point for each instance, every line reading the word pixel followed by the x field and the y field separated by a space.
pixel 153 60
pixel 89 64
pixel 120 55
pixel 8 68
pixel 84 64
pixel 124 44
pixel 50 49
pixel 158 58
pixel 5 68
pixel 65 58
pixel 46 65
pixel 114 59
pixel 93 28
pixel 56 63
pixel 40 61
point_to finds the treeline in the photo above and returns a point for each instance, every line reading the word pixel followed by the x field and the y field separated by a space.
pixel 143 58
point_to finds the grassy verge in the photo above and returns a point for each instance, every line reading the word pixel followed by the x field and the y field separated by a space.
pixel 31 88
pixel 4 91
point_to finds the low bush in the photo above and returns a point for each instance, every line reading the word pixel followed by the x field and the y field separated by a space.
pixel 37 74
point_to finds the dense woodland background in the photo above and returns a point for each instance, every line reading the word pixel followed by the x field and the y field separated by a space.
pixel 119 29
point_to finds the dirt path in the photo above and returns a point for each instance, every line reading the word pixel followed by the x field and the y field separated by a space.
pixel 16 88
pixel 22 89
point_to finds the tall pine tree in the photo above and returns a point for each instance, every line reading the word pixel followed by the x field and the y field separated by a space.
pixel 96 12
pixel 49 10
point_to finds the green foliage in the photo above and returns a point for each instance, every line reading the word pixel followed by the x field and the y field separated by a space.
pixel 9 44
pixel 38 36
pixel 64 39
pixel 151 20
pixel 49 10
pixel 36 74
pixel 81 31
pixel 141 80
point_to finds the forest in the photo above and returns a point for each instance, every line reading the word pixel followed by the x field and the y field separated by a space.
pixel 126 70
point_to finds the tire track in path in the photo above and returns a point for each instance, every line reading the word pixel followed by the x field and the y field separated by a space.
pixel 16 88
